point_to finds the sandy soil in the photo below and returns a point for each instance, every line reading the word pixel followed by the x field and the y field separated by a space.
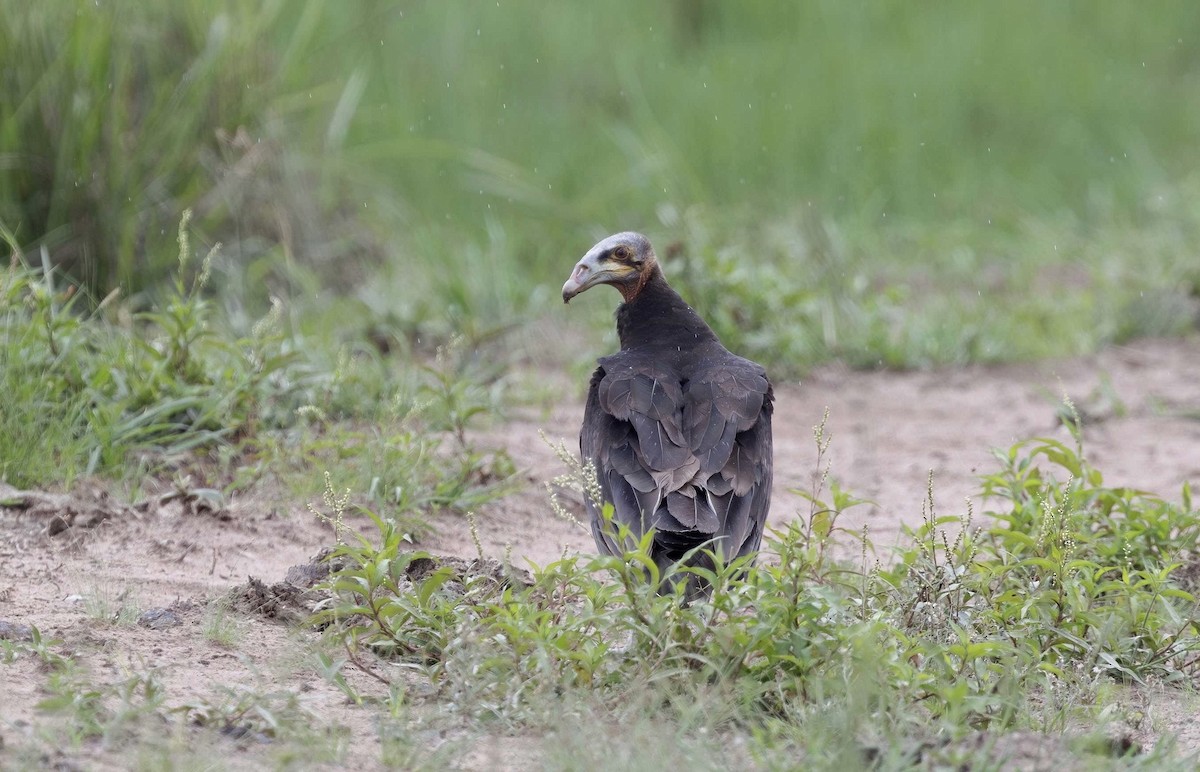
pixel 889 430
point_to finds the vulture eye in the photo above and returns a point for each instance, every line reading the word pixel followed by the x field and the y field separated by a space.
pixel 621 253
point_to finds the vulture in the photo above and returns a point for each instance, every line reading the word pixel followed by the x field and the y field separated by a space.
pixel 677 428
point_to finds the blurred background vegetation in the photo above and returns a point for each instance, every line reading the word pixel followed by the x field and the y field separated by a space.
pixel 884 183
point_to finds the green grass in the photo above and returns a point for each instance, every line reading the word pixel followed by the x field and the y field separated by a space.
pixel 98 389
pixel 920 296
pixel 1019 623
pixel 220 625
pixel 136 397
pixel 887 185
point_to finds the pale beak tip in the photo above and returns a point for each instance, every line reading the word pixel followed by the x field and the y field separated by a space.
pixel 575 284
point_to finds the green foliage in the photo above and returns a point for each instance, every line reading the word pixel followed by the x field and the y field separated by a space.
pixel 89 391
pixel 106 713
pixel 45 409
pixel 1075 580
pixel 120 118
pixel 415 457
pixel 221 627
pixel 37 647
pixel 1075 585
pixel 1113 526
pixel 890 186
pixel 806 289
pixel 248 714
pixel 944 112
pixel 94 390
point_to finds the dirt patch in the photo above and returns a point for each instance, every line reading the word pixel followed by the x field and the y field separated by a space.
pixel 889 431
pixel 297 597
pixel 84 508
pixel 136 588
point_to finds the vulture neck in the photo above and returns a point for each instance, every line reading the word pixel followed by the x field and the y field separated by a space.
pixel 657 316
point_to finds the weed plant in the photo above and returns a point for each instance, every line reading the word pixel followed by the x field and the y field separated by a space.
pixel 1074 586
pixel 102 391
pixel 92 394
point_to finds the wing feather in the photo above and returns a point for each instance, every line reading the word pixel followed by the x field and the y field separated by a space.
pixel 684 448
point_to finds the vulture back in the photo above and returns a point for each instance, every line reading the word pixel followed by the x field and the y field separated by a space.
pixel 679 431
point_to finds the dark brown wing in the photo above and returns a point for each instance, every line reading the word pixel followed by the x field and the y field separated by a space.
pixel 625 405
pixel 686 451
pixel 727 413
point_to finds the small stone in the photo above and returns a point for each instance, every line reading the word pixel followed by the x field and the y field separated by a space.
pixel 158 619
pixel 11 631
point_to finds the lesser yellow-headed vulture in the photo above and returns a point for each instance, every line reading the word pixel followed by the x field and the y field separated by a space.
pixel 677 427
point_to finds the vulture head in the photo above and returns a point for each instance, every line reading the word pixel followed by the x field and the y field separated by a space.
pixel 624 260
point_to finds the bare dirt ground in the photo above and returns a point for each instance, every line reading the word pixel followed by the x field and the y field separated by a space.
pixel 888 430
pixel 88 580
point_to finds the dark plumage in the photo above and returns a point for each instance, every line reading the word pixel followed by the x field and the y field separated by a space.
pixel 678 428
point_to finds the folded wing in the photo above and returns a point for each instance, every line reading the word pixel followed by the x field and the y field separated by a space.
pixel 683 449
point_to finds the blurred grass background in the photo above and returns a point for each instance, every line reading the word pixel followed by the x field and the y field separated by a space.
pixel 886 183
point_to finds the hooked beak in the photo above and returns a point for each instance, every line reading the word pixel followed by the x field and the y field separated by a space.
pixel 588 272
pixel 581 278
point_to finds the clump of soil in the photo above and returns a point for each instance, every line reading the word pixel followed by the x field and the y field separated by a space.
pixel 462 571
pixel 86 508
pixel 283 601
pixel 300 594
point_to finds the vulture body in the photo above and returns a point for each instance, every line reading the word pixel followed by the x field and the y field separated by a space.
pixel 677 427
